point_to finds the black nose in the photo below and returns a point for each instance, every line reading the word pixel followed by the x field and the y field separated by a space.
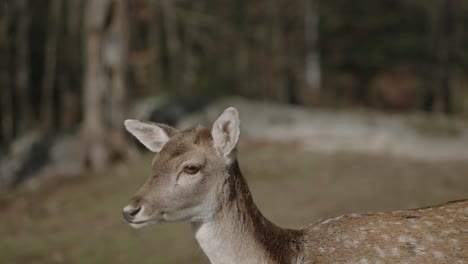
pixel 129 213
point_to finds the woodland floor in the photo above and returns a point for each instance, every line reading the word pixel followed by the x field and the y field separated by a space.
pixel 79 220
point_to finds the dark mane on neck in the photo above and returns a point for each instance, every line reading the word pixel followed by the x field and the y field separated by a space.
pixel 271 237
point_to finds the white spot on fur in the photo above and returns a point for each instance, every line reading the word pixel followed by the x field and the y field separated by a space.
pixel 419 250
pixel 380 251
pixel 405 239
pixel 395 251
pixel 364 261
pixel 321 250
pixel 348 243
pixel 356 242
pixel 430 238
pixel 355 215
pixel 438 254
pixel 439 217
pixel 448 231
pixel 340 237
pixel 460 262
pixel 428 223
pixel 385 237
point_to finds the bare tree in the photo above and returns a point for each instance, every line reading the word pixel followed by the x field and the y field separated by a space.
pixel 6 118
pixel 277 49
pixel 22 64
pixel 444 39
pixel 115 45
pixel 169 14
pixel 313 73
pixel 70 59
pixel 50 63
pixel 106 37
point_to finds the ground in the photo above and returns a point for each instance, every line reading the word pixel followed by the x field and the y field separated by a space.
pixel 79 220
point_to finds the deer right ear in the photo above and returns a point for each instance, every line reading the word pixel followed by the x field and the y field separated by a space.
pixel 225 133
pixel 153 136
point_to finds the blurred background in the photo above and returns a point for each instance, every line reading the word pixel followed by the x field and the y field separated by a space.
pixel 345 107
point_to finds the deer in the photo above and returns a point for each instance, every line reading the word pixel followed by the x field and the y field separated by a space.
pixel 196 178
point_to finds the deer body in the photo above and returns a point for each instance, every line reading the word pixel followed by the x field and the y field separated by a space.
pixel 196 177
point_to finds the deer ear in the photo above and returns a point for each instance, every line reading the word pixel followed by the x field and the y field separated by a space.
pixel 153 136
pixel 226 132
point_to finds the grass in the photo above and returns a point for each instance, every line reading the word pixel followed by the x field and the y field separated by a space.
pixel 79 220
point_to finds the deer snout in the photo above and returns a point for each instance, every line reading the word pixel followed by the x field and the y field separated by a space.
pixel 129 212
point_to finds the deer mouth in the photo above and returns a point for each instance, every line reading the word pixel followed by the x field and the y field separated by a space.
pixel 140 224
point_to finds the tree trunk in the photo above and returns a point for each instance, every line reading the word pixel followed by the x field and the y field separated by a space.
pixel 172 41
pixel 452 19
pixel 457 79
pixel 22 65
pixel 438 89
pixel 50 62
pixel 6 117
pixel 106 35
pixel 445 59
pixel 189 70
pixel 95 85
pixel 69 73
pixel 116 43
pixel 277 48
pixel 430 89
pixel 313 74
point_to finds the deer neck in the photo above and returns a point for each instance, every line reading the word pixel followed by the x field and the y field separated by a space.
pixel 239 233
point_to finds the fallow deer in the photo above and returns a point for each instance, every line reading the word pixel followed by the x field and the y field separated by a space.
pixel 196 178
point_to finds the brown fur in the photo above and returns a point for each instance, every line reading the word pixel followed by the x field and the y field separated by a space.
pixel 281 245
pixel 437 234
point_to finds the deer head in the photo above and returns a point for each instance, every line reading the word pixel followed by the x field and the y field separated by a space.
pixel 188 171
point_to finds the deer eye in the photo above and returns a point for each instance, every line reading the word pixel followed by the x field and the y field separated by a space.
pixel 190 169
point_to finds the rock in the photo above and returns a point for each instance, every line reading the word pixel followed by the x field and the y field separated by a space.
pixel 12 165
pixel 36 156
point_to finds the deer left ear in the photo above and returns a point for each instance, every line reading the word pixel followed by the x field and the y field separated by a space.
pixel 226 132
pixel 153 136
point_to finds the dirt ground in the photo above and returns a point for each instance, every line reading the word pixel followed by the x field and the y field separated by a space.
pixel 79 220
